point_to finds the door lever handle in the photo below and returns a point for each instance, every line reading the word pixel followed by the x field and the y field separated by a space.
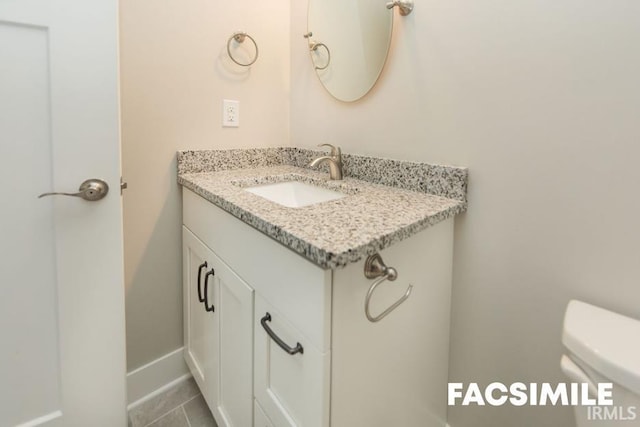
pixel 91 190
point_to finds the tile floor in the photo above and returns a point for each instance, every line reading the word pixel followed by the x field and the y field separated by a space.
pixel 180 406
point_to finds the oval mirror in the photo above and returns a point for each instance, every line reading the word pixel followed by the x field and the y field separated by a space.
pixel 348 43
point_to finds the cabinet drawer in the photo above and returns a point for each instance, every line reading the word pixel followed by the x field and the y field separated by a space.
pixel 261 419
pixel 293 389
pixel 298 288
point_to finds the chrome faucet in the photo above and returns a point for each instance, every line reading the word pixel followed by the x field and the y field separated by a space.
pixel 334 160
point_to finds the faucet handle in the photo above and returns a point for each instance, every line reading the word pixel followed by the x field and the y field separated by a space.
pixel 335 151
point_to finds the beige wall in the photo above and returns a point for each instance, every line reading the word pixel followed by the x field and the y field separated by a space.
pixel 174 74
pixel 541 100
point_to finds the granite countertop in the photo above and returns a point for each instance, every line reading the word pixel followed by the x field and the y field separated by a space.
pixel 331 234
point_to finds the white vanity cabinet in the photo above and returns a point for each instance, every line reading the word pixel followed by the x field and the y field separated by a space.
pixel 309 353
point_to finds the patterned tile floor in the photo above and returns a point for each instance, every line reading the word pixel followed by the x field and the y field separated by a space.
pixel 180 406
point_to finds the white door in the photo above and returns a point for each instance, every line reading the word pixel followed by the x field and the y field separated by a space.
pixel 62 351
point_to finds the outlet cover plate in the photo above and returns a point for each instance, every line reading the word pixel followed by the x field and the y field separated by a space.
pixel 230 113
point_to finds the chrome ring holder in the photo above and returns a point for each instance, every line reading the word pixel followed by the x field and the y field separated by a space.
pixel 239 37
pixel 313 47
pixel 374 268
pixel 405 6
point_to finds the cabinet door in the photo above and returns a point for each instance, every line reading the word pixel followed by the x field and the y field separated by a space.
pixel 293 389
pixel 261 419
pixel 200 325
pixel 233 393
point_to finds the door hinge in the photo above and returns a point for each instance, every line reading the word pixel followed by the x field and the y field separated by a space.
pixel 123 185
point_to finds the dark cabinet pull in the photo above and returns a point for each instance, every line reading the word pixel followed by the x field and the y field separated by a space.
pixel 291 350
pixel 206 291
pixel 203 265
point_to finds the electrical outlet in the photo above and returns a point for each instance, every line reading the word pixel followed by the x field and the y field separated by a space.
pixel 230 113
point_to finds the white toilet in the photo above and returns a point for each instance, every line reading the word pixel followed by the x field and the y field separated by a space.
pixel 603 347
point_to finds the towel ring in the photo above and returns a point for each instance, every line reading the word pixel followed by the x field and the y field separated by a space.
pixel 374 267
pixel 313 46
pixel 240 37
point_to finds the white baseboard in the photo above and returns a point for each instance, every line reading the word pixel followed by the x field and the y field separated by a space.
pixel 155 377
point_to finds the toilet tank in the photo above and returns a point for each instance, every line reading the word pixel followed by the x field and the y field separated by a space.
pixel 606 342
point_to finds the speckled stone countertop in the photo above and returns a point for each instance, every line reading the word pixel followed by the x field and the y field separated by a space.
pixel 330 234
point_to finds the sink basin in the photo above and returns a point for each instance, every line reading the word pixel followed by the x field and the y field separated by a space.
pixel 295 194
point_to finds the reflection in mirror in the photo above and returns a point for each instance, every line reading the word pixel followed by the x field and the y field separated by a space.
pixel 348 43
pixel 326 60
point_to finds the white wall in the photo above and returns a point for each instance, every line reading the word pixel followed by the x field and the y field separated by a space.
pixel 174 74
pixel 541 100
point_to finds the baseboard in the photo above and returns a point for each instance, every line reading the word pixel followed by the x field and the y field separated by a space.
pixel 155 377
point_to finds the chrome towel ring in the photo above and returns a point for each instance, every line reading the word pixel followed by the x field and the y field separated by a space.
pixel 374 267
pixel 239 37
pixel 313 47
